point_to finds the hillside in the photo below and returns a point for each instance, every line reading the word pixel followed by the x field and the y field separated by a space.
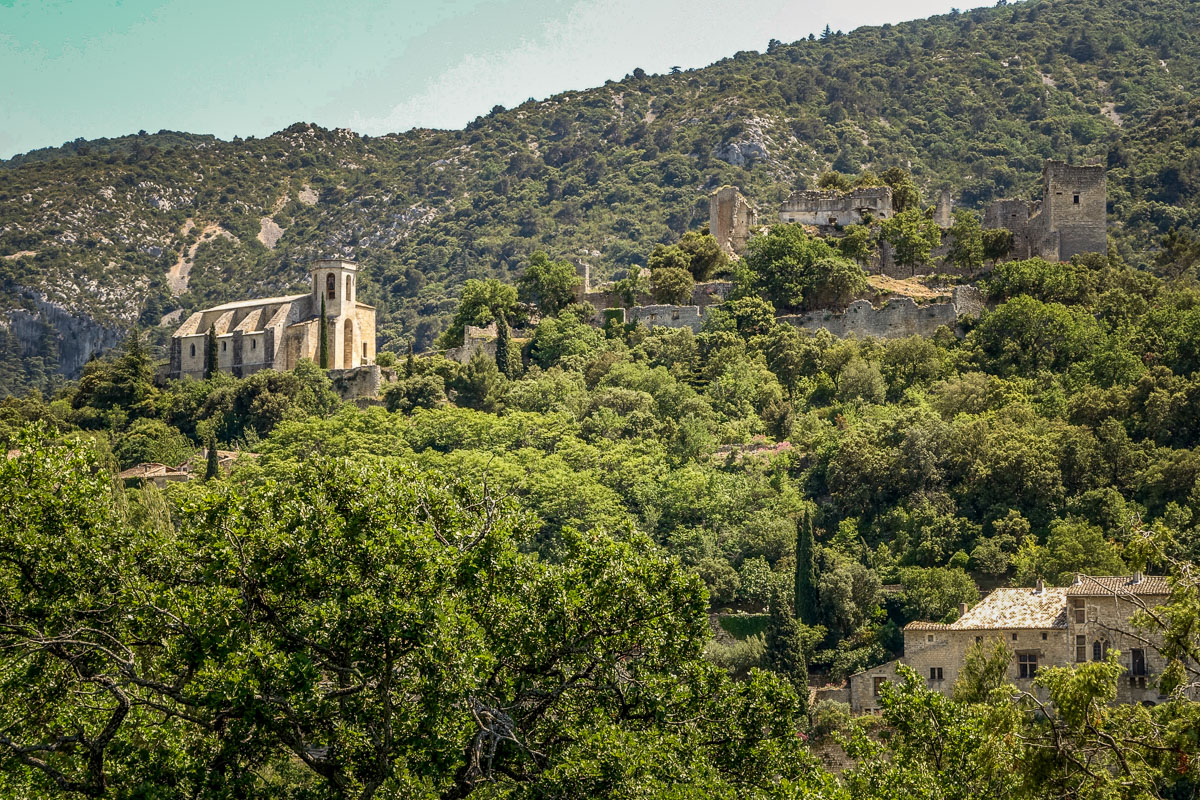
pixel 91 232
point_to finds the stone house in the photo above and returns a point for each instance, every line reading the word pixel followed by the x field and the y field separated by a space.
pixel 1043 626
pixel 276 332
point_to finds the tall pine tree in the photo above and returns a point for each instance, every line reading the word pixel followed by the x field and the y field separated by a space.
pixel 785 645
pixel 806 571
pixel 324 335
pixel 212 467
pixel 502 341
pixel 210 353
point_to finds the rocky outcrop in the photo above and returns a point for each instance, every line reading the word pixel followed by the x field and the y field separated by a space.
pixel 48 330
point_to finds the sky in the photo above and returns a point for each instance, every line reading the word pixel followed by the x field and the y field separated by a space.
pixel 92 68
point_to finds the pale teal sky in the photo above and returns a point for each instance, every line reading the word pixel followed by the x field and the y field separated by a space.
pixel 95 68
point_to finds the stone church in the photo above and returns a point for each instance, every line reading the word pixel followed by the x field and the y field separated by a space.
pixel 276 332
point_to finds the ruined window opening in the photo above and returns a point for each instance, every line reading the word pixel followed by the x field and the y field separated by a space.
pixel 1076 200
pixel 1137 661
pixel 935 673
pixel 330 290
pixel 1027 664
pixel 833 220
pixel 674 315
pixel 1080 649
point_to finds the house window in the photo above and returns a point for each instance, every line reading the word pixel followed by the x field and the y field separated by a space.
pixel 929 637
pixel 1137 662
pixel 1099 650
pixel 1080 649
pixel 1079 608
pixel 674 315
pixel 253 344
pixel 223 346
pixel 193 351
pixel 1027 664
pixel 877 685
pixel 833 220
pixel 1014 637
pixel 1044 637
pixel 1076 200
pixel 935 673
pixel 330 287
pixel 978 639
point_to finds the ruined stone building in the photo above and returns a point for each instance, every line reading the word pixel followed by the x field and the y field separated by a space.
pixel 831 207
pixel 730 218
pixel 1071 217
pixel 276 332
pixel 1042 627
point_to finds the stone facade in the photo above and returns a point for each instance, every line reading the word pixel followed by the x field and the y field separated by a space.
pixel 1071 217
pixel 276 332
pixel 730 218
pixel 666 316
pixel 899 318
pixel 833 208
pixel 1042 626
pixel 942 211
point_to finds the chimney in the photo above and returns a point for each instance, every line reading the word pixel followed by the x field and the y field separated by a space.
pixel 962 609
pixel 1078 578
pixel 1137 578
pixel 1040 587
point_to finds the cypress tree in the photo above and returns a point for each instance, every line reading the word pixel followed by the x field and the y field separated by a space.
pixel 806 571
pixel 410 363
pixel 502 362
pixel 211 469
pixel 785 646
pixel 210 353
pixel 324 334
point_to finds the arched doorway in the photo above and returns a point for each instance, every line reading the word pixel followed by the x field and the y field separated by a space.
pixel 348 344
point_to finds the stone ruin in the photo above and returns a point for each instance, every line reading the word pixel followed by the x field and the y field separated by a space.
pixel 831 208
pixel 1071 218
pixel 730 218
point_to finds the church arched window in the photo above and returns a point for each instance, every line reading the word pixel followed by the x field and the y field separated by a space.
pixel 193 351
pixel 1099 650
pixel 330 286
pixel 346 294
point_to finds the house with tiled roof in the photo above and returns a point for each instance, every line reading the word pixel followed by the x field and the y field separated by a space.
pixel 1042 626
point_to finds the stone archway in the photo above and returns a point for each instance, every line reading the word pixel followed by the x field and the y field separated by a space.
pixel 348 344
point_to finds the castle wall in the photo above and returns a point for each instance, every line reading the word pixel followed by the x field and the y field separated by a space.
pixel 828 208
pixel 665 316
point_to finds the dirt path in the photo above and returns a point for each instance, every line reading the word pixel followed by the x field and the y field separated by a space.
pixel 177 275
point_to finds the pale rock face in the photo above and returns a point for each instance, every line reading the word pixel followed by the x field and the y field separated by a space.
pixel 739 154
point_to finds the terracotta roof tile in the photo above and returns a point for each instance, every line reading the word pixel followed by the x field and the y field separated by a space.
pixel 1103 585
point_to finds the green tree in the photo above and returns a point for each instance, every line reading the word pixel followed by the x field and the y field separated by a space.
pixel 480 384
pixel 481 304
pixel 913 236
pixel 706 256
pixel 503 357
pixel 210 353
pixel 857 244
pixel 806 571
pixel 782 264
pixel 934 593
pixel 549 285
pixel 905 195
pixel 984 669
pixel 671 285
pixel 997 244
pixel 966 241
pixel 212 462
pixel 785 644
pixel 323 337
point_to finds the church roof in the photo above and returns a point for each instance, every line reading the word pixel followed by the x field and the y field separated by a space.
pixel 266 301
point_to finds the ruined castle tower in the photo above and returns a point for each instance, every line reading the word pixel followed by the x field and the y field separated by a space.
pixel 1071 217
pixel 941 213
pixel 730 217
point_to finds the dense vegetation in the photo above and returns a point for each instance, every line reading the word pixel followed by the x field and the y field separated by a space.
pixel 974 101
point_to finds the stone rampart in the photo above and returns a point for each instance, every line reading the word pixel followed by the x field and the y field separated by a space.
pixel 899 318
pixel 662 316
